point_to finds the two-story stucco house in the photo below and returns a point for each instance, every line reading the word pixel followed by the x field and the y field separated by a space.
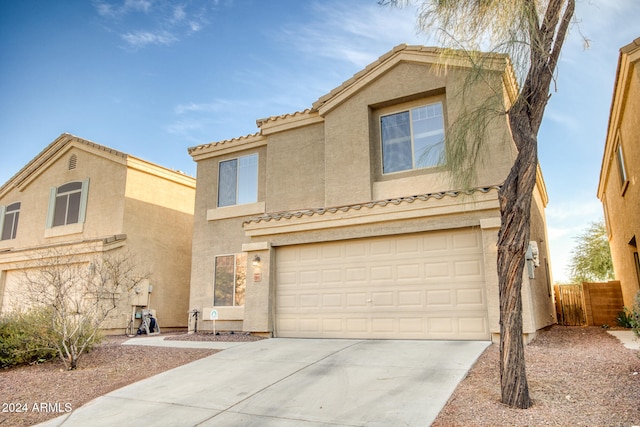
pixel 333 222
pixel 80 197
pixel 619 189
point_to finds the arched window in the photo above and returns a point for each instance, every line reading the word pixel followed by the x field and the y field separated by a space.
pixel 68 203
pixel 9 216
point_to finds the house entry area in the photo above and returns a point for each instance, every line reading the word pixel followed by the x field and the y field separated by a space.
pixel 419 286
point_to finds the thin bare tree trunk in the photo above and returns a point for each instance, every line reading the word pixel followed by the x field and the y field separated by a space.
pixel 515 211
pixel 525 116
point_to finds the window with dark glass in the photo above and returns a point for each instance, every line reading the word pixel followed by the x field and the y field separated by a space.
pixel 68 204
pixel 230 280
pixel 67 208
pixel 412 139
pixel 238 181
pixel 9 224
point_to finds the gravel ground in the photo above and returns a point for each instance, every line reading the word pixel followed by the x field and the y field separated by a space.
pixel 578 376
pixel 33 394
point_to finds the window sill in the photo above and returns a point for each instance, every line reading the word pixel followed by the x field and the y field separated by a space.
pixel 64 230
pixel 235 211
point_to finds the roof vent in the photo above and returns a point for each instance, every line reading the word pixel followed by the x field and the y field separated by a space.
pixel 73 160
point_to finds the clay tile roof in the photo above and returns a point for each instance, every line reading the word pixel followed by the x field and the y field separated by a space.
pixel 260 122
pixel 277 216
pixel 226 141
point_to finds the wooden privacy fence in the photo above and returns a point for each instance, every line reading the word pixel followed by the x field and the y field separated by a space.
pixel 593 304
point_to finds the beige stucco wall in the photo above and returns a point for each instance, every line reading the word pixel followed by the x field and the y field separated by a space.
pixel 158 222
pixel 222 236
pixel 622 203
pixel 105 204
pixel 148 208
pixel 296 169
pixel 331 157
pixel 352 136
pixel 542 309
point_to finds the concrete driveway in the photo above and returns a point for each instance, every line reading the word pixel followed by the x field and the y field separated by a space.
pixel 293 382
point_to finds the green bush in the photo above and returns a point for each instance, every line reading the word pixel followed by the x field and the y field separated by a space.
pixel 25 337
pixel 625 318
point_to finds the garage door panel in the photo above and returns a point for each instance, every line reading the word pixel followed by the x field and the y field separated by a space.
pixel 408 271
pixel 381 247
pixel 427 286
pixel 381 273
pixel 355 250
pixel 332 301
pixel 331 252
pixel 310 325
pixel 435 243
pixel 357 325
pixel 382 299
pixel 382 325
pixel 287 301
pixel 331 276
pixel 358 299
pixel 438 298
pixel 471 325
pixel 332 325
pixel 309 301
pixel 308 277
pixel 468 269
pixel 434 270
pixel 356 274
pixel 469 297
pixel 465 240
pixel 440 325
pixel 408 247
pixel 408 299
pixel 287 279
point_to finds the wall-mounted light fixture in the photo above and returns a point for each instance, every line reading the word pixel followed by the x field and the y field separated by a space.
pixel 256 261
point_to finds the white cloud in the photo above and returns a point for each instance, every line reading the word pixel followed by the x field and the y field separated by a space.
pixel 141 39
pixel 210 107
pixel 109 10
pixel 178 13
pixel 355 33
pixel 141 23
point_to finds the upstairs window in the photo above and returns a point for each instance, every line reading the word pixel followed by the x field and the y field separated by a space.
pixel 412 139
pixel 238 181
pixel 9 224
pixel 68 203
pixel 230 280
pixel 622 170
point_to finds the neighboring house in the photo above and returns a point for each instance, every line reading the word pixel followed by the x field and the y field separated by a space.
pixel 331 222
pixel 83 198
pixel 619 189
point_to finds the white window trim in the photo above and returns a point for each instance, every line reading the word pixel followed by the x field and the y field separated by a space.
pixel 2 211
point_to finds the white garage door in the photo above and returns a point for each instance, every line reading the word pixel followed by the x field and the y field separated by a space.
pixel 419 286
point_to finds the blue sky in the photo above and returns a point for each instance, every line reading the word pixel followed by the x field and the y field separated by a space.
pixel 153 77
